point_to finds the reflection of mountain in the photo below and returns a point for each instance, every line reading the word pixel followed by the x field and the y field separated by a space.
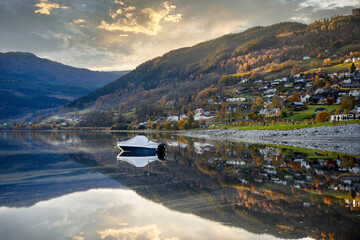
pixel 31 172
pixel 212 186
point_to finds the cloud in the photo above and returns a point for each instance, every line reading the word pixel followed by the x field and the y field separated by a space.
pixel 121 34
pixel 147 21
pixel 45 7
pixel 79 20
pixel 328 4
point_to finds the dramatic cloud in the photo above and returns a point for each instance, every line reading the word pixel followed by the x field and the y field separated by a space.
pixel 329 4
pixel 147 21
pixel 121 34
pixel 45 7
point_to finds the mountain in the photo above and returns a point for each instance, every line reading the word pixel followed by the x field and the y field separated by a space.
pixel 29 83
pixel 181 74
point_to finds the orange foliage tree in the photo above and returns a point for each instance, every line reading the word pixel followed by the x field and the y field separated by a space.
pixel 322 116
pixel 295 97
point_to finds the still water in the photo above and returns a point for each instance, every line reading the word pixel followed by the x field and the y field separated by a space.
pixel 71 185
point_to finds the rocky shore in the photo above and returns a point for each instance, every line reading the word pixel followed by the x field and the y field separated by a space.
pixel 342 138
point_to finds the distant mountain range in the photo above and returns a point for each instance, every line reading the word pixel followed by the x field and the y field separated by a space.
pixel 180 74
pixel 29 84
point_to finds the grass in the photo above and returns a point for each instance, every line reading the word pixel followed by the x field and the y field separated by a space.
pixel 309 112
pixel 331 69
pixel 290 126
pixel 350 47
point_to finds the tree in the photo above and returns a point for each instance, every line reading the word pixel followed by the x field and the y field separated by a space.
pixel 277 102
pixel 352 68
pixel 295 98
pixel 327 62
pixel 322 116
pixel 347 102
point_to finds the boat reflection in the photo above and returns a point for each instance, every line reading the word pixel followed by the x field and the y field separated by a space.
pixel 136 160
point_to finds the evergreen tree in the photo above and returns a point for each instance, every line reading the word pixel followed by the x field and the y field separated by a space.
pixel 352 68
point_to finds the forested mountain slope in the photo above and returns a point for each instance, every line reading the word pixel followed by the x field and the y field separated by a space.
pixel 180 74
pixel 29 83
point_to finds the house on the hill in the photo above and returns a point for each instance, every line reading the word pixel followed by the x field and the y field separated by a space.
pixel 270 112
pixel 341 115
pixel 297 106
pixel 319 110
pixel 305 98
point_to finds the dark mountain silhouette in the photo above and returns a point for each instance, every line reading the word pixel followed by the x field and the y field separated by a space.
pixel 29 83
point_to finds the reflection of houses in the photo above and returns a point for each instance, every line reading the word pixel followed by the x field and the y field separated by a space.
pixel 200 148
pixel 176 144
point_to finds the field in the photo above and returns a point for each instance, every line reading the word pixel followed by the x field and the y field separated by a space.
pixel 289 126
pixel 309 112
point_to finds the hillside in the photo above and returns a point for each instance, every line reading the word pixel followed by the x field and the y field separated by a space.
pixel 29 83
pixel 257 53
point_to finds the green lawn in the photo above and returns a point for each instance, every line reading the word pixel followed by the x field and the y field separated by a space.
pixel 290 126
pixel 309 112
pixel 335 68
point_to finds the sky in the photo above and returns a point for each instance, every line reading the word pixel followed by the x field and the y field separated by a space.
pixel 121 34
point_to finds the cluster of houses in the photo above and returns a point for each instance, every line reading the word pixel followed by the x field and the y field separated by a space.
pixel 284 87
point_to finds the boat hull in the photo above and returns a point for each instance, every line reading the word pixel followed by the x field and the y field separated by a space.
pixel 139 151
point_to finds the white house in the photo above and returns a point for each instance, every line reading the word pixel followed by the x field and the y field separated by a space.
pixel 305 98
pixel 270 112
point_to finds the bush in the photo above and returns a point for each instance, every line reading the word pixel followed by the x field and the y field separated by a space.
pixel 322 116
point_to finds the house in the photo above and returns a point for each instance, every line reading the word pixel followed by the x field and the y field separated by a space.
pixel 270 112
pixel 354 93
pixel 320 110
pixel 340 115
pixel 201 114
pixel 173 119
pixel 306 58
pixel 347 81
pixel 305 98
pixel 297 106
pixel 241 99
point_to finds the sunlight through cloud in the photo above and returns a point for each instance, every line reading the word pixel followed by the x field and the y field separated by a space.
pixel 147 21
pixel 45 7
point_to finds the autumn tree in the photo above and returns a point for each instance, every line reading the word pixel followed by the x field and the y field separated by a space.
pixel 314 64
pixel 277 102
pixel 327 62
pixel 347 102
pixel 295 97
pixel 322 116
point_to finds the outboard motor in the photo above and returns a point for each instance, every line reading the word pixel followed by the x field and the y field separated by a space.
pixel 161 151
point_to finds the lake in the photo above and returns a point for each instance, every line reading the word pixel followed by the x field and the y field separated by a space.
pixel 72 185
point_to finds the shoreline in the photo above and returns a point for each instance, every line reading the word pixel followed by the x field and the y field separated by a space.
pixel 341 138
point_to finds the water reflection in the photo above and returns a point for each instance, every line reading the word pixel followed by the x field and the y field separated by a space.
pixel 287 193
pixel 110 214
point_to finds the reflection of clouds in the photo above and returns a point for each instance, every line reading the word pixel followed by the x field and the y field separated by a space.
pixel 110 214
pixel 151 232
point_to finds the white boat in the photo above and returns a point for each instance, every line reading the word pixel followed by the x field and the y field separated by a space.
pixel 139 145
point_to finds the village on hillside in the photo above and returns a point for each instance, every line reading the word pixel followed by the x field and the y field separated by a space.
pixel 305 98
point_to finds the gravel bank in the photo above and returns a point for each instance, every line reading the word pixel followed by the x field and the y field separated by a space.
pixel 343 138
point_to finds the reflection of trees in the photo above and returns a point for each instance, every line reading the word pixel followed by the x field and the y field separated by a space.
pixel 230 185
